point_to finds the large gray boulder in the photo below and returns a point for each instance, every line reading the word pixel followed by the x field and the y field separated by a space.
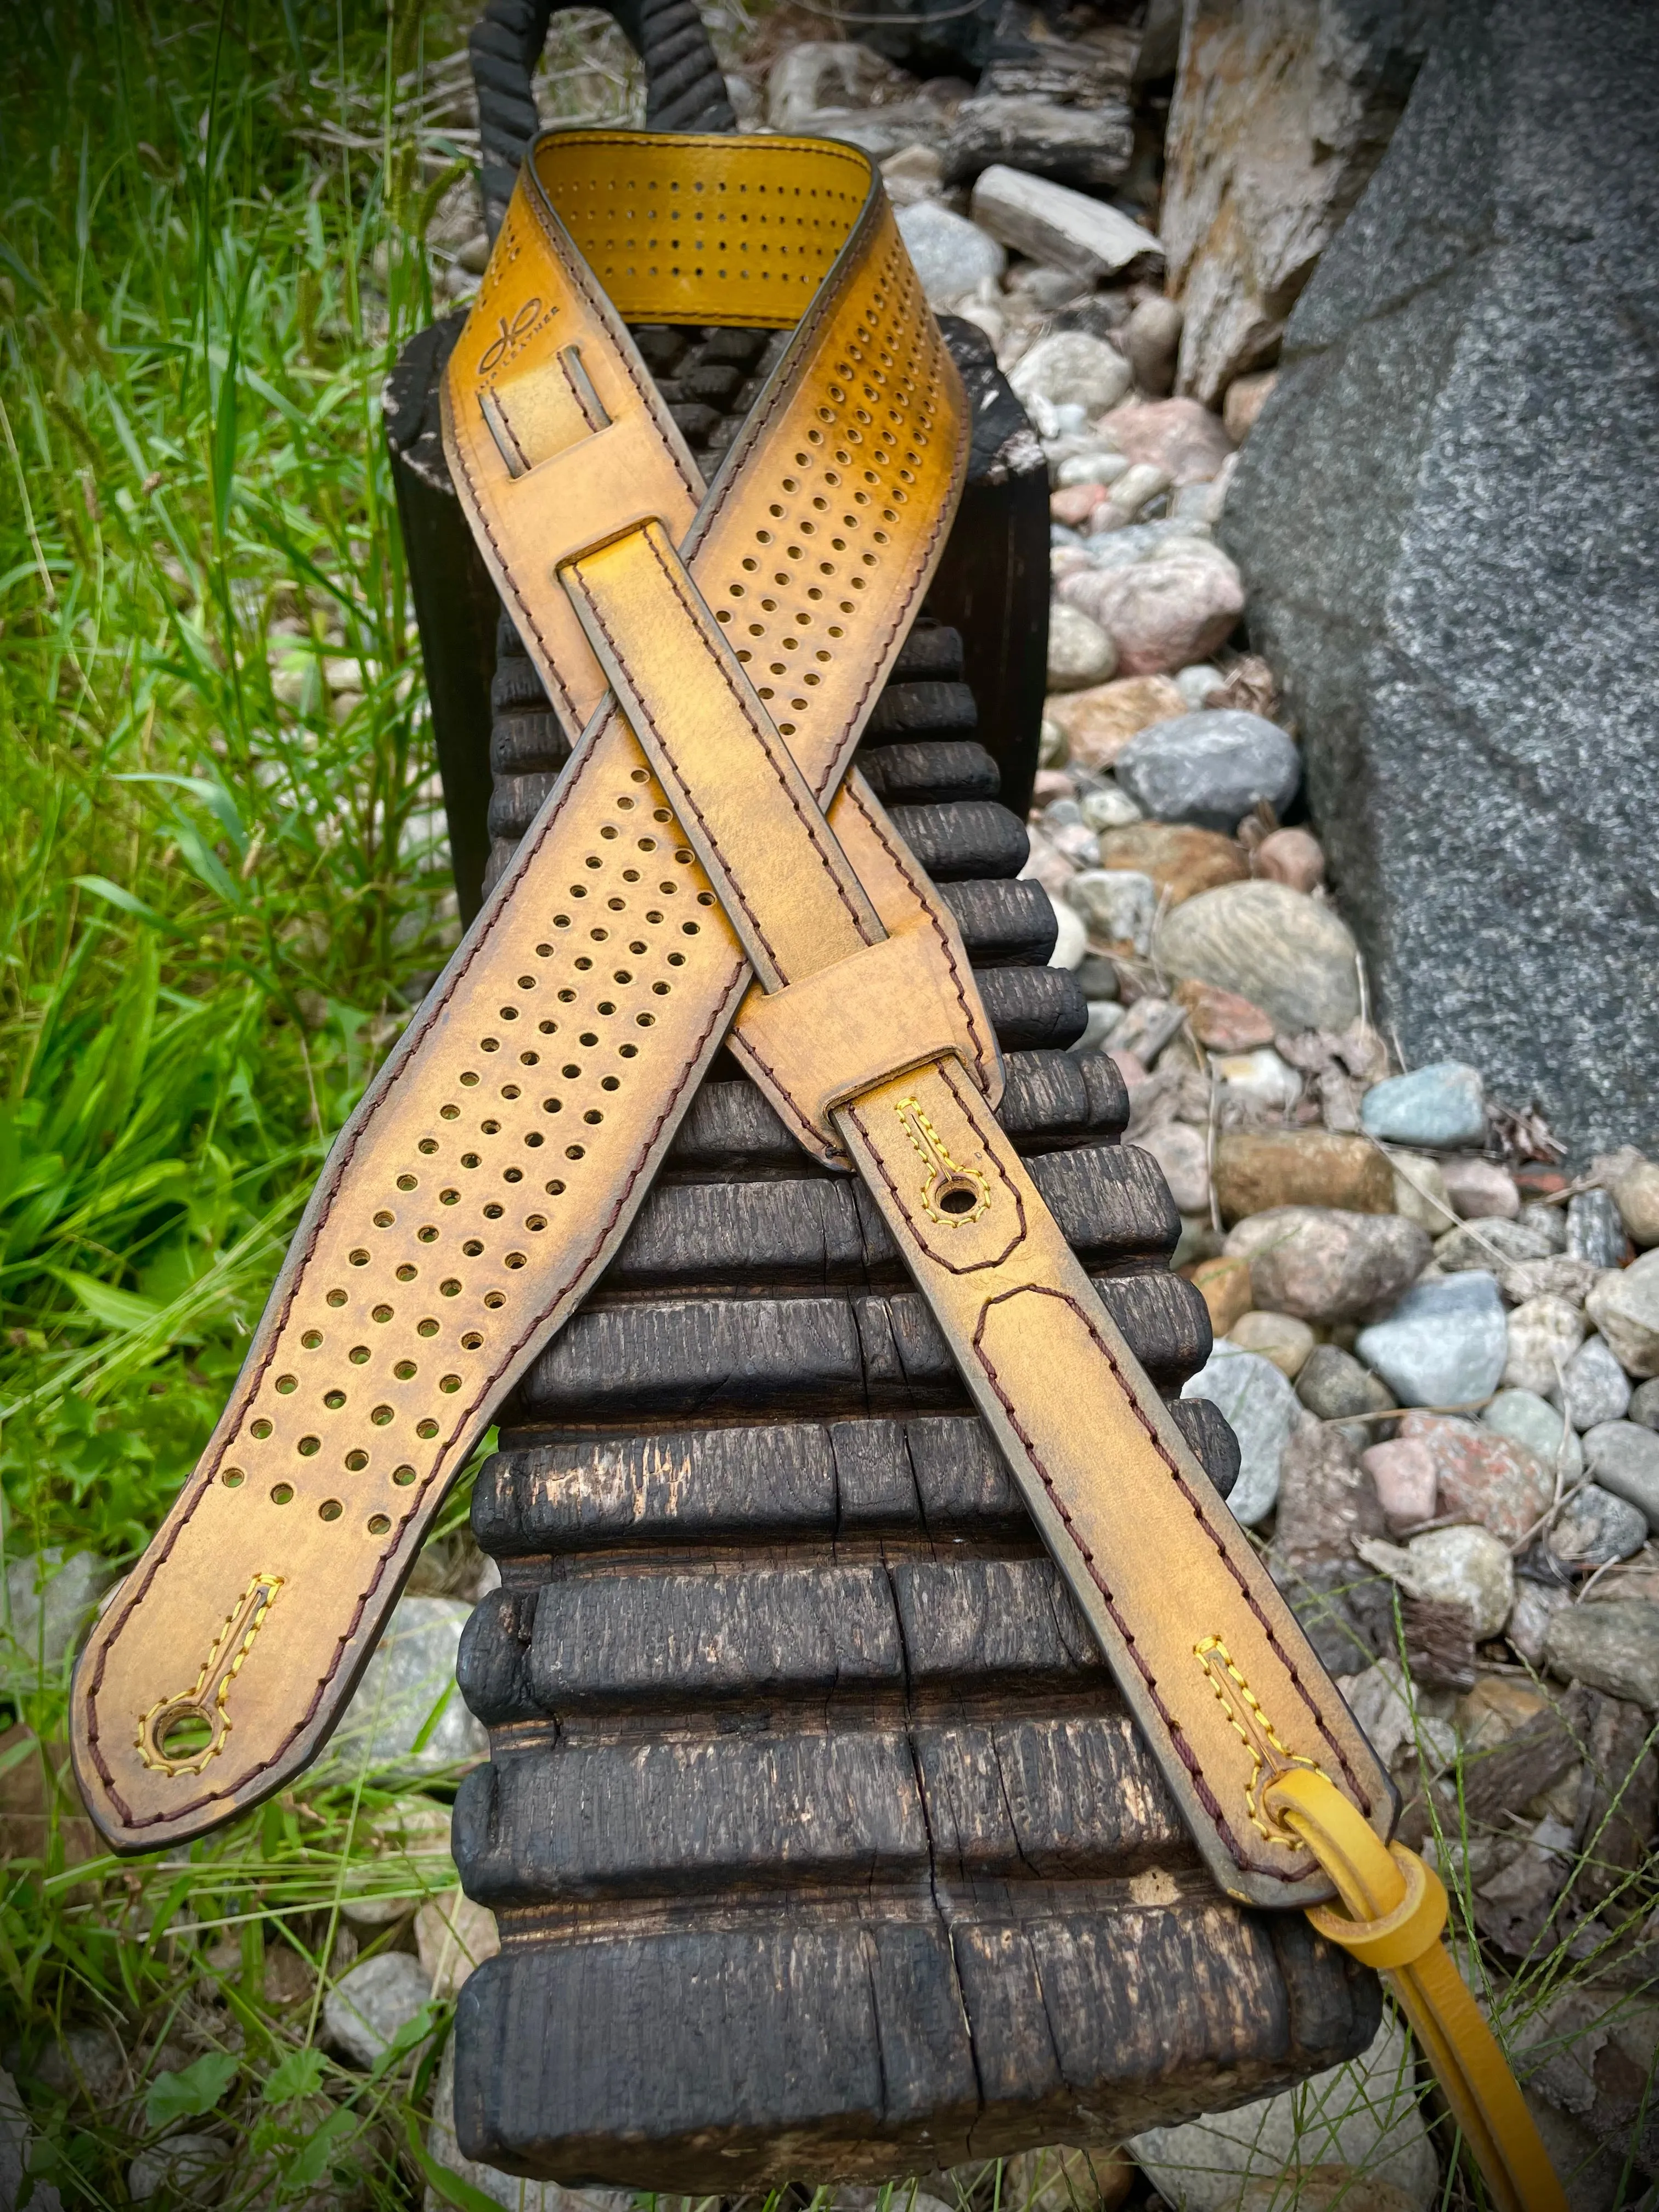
pixel 1444 518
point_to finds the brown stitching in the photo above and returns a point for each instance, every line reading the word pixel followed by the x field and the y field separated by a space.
pixel 813 820
pixel 950 1267
pixel 301 1257
pixel 806 1132
pixel 1172 1728
pixel 686 795
pixel 478 512
pixel 490 393
pixel 575 268
pixel 828 299
pixel 1105 1349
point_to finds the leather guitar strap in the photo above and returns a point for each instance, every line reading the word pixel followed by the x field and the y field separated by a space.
pixel 705 872
pixel 718 662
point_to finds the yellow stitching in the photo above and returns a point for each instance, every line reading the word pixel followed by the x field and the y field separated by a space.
pixel 248 1614
pixel 1252 1727
pixel 943 1173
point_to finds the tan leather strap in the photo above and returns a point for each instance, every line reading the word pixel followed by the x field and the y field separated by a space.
pixel 722 667
pixel 496 1160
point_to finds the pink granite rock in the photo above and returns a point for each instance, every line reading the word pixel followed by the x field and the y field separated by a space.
pixel 1406 1483
pixel 1490 1478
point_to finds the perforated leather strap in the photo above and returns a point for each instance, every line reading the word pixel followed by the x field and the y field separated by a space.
pixel 716 663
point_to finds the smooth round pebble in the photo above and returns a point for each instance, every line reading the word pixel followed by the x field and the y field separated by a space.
pixel 1290 955
pixel 1279 1337
pixel 1528 1419
pixel 950 255
pixel 1294 858
pixel 1080 652
pixel 371 2001
pixel 1596 1388
pixel 1324 1265
pixel 1211 769
pixel 1262 1410
pixel 1444 1344
pixel 1595 1528
pixel 1444 1105
pixel 1070 368
pixel 1071 937
pixel 1480 1190
pixel 1624 1458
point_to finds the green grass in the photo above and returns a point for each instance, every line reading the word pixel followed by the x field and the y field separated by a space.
pixel 223 885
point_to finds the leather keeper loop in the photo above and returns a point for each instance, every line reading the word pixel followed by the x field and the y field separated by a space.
pixel 841 1031
pixel 1398 1937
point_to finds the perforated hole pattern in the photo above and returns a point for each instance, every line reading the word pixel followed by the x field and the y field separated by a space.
pixel 406 1317
pixel 442 1252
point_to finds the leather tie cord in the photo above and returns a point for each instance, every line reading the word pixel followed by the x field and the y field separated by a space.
pixel 706 872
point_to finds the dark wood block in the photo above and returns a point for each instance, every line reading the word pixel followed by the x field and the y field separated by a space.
pixel 492 1665
pixel 677 1356
pixel 932 653
pixel 527 742
pixel 964 837
pixel 718 2059
pixel 606 1639
pixel 945 768
pixel 1033 1009
pixel 676 1485
pixel 922 707
pixel 783 2045
pixel 515 801
pixel 1003 924
pixel 1191 1992
pixel 657 1818
pixel 1050 1099
pixel 1209 1432
pixel 1110 1201
pixel 1070 1798
pixel 970 1621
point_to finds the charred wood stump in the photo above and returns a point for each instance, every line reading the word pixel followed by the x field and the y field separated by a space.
pixel 821 1842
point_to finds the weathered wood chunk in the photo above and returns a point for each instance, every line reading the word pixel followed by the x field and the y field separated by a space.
pixel 822 1842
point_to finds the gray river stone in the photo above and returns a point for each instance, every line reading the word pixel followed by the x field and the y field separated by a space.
pixel 1444 1344
pixel 1597 1388
pixel 1262 1409
pixel 1445 520
pixel 406 1717
pixel 1210 768
pixel 1624 1458
pixel 1284 952
pixel 371 2001
pixel 1595 1527
pixel 1614 1646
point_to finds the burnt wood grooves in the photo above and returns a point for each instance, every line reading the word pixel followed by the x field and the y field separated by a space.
pixel 820 1842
